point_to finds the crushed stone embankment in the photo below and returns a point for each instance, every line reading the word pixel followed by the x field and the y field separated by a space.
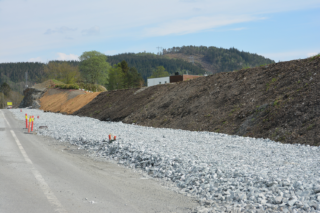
pixel 280 101
pixel 226 173
pixel 65 101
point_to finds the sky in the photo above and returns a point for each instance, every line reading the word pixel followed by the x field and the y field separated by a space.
pixel 42 30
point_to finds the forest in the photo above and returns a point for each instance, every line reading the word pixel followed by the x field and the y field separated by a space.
pixel 147 63
pixel 223 60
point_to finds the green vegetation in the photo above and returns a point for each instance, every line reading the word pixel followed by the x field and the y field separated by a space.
pixel 224 60
pixel 159 72
pixel 5 88
pixel 67 86
pixel 63 72
pixel 94 67
pixel 8 95
pixel 146 63
pixel 121 76
pixel 56 81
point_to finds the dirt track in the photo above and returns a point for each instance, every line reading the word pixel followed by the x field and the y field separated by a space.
pixel 280 101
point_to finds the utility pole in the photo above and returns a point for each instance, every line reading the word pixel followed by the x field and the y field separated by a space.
pixel 26 75
pixel 158 50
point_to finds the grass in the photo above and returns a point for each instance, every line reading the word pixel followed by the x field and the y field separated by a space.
pixel 276 103
pixel 57 82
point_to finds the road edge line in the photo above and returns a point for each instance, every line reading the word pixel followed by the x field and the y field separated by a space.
pixel 42 183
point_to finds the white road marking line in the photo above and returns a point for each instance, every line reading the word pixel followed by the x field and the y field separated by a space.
pixel 42 183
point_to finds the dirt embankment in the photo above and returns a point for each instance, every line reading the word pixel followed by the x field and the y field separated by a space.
pixel 280 101
pixel 65 101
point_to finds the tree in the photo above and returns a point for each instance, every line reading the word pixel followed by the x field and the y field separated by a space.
pixel 121 76
pixel 159 72
pixel 94 67
pixel 115 78
pixel 63 72
pixel 5 88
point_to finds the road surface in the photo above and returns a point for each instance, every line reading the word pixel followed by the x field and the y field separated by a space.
pixel 39 174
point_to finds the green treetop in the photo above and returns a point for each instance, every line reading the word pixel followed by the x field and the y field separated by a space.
pixel 94 67
pixel 159 72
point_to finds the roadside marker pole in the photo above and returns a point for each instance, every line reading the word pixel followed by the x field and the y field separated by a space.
pixel 29 125
pixel 26 121
pixel 32 123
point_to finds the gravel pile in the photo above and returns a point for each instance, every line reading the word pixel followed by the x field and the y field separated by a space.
pixel 226 173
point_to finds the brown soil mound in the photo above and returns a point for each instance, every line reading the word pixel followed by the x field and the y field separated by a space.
pixel 65 101
pixel 280 101
pixel 78 102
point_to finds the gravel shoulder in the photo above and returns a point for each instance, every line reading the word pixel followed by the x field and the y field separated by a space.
pixel 85 183
pixel 223 172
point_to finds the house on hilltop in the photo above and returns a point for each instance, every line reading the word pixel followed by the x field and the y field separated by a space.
pixel 171 79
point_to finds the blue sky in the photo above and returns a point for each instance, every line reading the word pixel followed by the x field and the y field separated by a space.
pixel 40 30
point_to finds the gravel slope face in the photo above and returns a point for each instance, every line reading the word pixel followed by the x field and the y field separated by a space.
pixel 224 172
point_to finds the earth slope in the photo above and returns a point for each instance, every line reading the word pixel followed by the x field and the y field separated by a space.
pixel 280 101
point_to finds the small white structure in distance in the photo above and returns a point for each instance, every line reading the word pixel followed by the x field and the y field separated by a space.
pixel 156 81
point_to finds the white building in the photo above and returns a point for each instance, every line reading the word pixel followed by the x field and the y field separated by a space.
pixel 156 81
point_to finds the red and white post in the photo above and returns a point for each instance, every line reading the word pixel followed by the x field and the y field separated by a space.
pixel 29 127
pixel 32 120
pixel 26 121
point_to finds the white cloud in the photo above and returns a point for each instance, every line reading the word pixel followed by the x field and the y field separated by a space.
pixel 196 24
pixel 91 32
pixel 61 30
pixel 27 29
pixel 238 29
pixel 37 59
pixel 65 57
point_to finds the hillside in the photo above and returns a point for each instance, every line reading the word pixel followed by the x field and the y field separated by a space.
pixel 145 63
pixel 215 60
pixel 177 59
pixel 279 101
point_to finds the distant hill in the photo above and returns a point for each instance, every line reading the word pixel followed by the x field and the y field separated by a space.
pixel 145 63
pixel 216 60
pixel 187 59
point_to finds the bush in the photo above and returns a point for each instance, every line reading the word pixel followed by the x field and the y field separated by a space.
pixel 67 86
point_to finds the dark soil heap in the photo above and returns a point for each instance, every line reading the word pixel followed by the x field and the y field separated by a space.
pixel 280 101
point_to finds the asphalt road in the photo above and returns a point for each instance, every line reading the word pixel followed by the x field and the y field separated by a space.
pixel 39 174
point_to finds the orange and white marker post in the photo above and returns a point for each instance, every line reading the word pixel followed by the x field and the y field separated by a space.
pixel 26 121
pixel 29 128
pixel 32 123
